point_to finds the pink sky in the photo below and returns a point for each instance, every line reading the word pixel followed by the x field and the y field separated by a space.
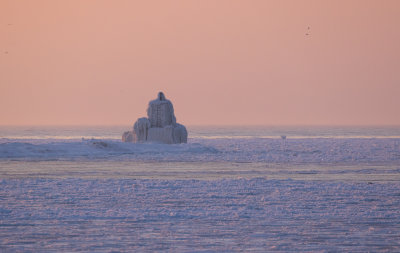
pixel 219 62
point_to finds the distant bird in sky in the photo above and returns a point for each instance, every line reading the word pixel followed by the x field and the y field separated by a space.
pixel 307 34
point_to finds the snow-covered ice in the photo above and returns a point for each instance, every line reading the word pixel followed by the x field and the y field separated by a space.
pixel 103 215
pixel 308 150
pixel 225 190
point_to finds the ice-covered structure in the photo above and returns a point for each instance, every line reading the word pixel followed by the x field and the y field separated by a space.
pixel 160 126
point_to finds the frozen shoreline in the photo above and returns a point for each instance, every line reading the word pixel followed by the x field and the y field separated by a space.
pixel 292 151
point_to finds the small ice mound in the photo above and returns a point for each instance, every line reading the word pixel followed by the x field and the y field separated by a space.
pixel 160 125
pixel 128 136
pixel 97 144
pixel 100 144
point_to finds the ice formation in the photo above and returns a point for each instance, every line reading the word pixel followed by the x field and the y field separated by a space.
pixel 141 128
pixel 160 126
pixel 128 136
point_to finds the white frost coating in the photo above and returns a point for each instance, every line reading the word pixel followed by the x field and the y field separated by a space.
pixel 141 128
pixel 161 134
pixel 180 134
pixel 160 126
pixel 161 112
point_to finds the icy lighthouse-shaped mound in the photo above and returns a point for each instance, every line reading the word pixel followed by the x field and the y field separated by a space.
pixel 161 112
pixel 160 126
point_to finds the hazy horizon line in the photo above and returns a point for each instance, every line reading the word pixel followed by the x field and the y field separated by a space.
pixel 206 125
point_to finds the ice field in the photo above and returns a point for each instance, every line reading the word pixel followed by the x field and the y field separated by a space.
pixel 228 189
pixel 103 215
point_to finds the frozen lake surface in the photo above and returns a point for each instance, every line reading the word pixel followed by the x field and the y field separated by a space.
pixel 228 189
pixel 104 215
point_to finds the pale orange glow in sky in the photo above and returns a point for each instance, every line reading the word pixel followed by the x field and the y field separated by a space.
pixel 219 62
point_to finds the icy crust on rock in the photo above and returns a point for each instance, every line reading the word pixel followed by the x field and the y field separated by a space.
pixel 292 151
pixel 226 215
